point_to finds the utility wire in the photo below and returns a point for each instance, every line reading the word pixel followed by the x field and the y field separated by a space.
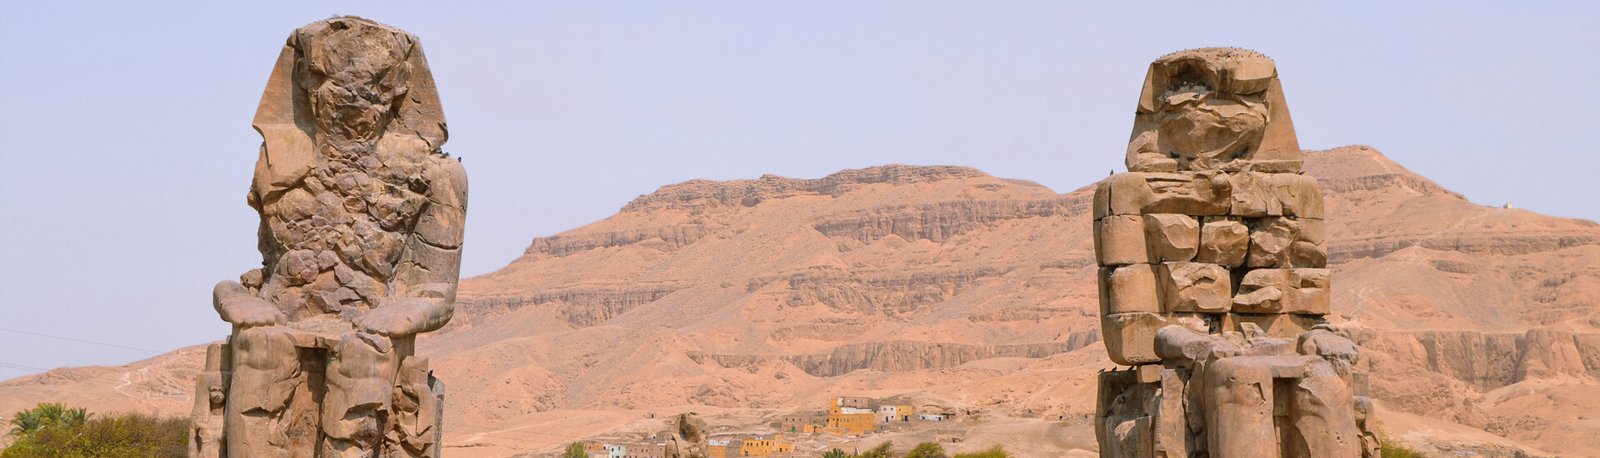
pixel 91 342
pixel 21 367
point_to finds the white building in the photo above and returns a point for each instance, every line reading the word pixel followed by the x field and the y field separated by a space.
pixel 894 414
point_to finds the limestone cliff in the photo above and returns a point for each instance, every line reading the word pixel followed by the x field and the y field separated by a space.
pixel 952 287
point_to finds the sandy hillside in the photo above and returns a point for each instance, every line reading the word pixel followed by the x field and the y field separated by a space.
pixel 744 300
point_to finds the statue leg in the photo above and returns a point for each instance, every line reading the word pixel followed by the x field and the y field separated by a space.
pixel 414 412
pixel 266 375
pixel 1239 422
pixel 355 410
pixel 1321 413
pixel 210 394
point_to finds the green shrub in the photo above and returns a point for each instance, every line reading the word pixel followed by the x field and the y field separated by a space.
pixel 575 450
pixel 1388 448
pixel 884 450
pixel 75 435
pixel 927 450
pixel 992 452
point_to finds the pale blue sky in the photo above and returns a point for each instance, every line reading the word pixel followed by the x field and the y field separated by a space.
pixel 126 147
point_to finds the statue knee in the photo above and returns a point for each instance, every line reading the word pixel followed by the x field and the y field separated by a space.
pixel 263 347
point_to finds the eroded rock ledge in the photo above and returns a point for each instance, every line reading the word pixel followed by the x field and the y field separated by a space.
pixel 902 355
pixel 940 221
pixel 1495 243
pixel 1492 360
pixel 670 238
pixel 893 295
pixel 581 306
pixel 706 193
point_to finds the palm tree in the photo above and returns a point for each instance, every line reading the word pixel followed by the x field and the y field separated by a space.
pixel 835 453
pixel 47 415
pixel 24 422
pixel 575 450
pixel 73 418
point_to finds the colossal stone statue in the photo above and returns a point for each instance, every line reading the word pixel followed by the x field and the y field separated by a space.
pixel 1213 278
pixel 360 236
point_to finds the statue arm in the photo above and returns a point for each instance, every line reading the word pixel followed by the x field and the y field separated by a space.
pixel 425 281
pixel 1144 150
pixel 237 305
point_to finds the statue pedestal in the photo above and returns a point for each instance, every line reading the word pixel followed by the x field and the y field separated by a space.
pixel 310 390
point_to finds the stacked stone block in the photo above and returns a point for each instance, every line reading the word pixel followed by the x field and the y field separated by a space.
pixel 1210 246
pixel 1213 278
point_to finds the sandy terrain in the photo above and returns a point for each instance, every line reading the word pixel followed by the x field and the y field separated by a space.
pixel 746 300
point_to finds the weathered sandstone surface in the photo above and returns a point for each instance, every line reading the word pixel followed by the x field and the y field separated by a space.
pixel 901 356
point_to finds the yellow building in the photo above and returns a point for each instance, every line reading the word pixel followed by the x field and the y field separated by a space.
pixel 764 447
pixel 850 421
pixel 716 450
pixel 804 422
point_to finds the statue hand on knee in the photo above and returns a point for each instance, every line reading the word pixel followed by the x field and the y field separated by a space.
pixel 238 306
pixel 404 317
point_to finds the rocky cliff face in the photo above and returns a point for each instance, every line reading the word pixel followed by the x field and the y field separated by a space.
pixel 949 286
pixel 873 293
pixel 697 194
pixel 1488 361
pixel 901 356
pixel 940 221
pixel 663 238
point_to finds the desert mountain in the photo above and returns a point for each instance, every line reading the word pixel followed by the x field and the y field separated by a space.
pixel 749 299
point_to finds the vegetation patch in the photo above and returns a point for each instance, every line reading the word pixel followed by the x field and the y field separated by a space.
pixel 51 430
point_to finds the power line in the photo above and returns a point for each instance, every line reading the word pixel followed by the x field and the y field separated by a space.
pixel 22 367
pixel 73 339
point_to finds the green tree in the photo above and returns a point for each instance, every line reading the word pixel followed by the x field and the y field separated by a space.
pixel 835 453
pixel 575 450
pixel 884 450
pixel 992 452
pixel 47 415
pixel 927 450
pixel 117 435
pixel 25 422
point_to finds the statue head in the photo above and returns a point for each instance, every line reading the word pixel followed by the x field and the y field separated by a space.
pixel 1212 109
pixel 352 70
pixel 338 86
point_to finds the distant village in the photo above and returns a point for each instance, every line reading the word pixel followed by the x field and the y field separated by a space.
pixel 844 417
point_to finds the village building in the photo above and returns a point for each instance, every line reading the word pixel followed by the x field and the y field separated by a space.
pixel 646 451
pixel 764 447
pixel 896 413
pixel 593 449
pixel 850 421
pixel 857 402
pixel 716 448
pixel 807 422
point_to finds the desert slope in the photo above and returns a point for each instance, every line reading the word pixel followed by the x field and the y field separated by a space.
pixel 747 299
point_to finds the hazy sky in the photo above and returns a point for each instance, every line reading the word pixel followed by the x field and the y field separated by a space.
pixel 126 147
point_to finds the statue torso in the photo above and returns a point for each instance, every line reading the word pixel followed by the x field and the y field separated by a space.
pixel 331 243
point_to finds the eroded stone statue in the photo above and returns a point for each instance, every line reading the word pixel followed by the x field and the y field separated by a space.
pixel 361 229
pixel 1213 278
pixel 686 436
